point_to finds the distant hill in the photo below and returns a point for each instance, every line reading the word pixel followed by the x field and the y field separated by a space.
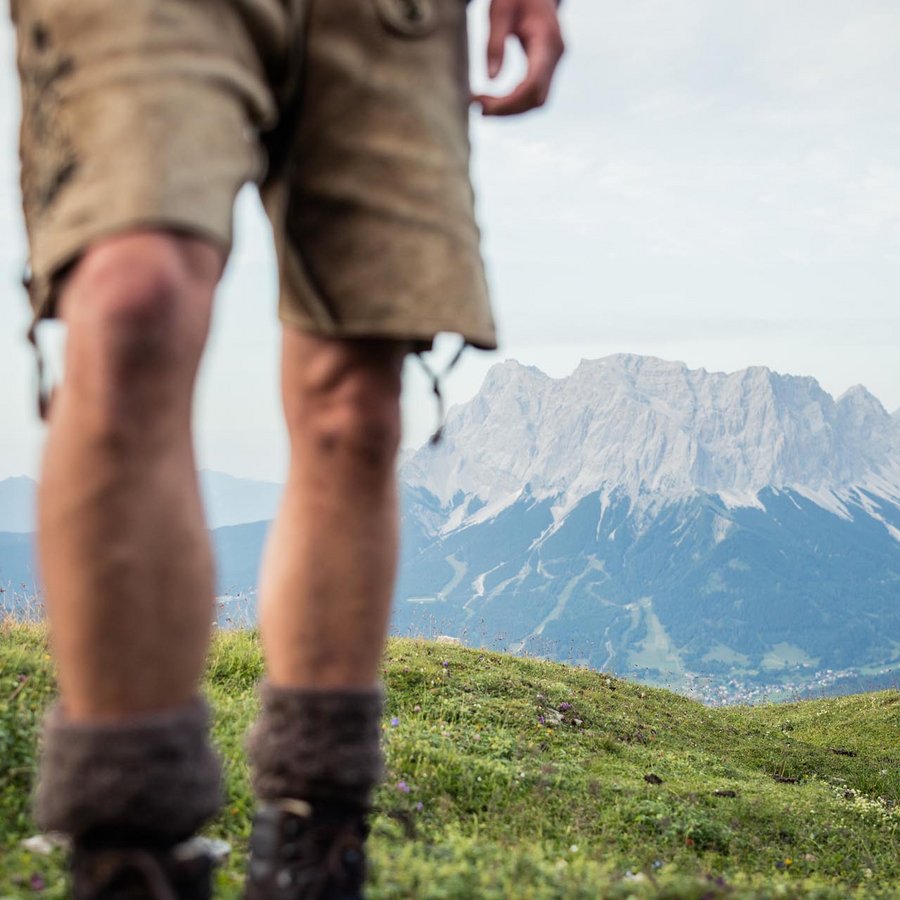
pixel 18 567
pixel 233 501
pixel 227 500
pixel 17 504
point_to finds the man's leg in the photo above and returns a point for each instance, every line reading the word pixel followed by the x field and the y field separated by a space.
pixel 124 551
pixel 326 589
pixel 328 575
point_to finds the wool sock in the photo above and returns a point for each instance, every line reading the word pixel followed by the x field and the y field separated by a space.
pixel 151 779
pixel 322 746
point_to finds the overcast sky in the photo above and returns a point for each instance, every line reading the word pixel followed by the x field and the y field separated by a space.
pixel 714 182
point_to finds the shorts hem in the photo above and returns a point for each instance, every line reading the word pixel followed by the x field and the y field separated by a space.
pixel 66 251
pixel 421 331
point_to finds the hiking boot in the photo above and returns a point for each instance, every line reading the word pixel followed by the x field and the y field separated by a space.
pixel 301 853
pixel 108 872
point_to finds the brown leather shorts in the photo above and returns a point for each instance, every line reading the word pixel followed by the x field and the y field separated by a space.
pixel 352 115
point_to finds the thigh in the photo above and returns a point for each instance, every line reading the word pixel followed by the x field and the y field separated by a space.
pixel 135 115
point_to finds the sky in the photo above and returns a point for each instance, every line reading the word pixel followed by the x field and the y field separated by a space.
pixel 712 182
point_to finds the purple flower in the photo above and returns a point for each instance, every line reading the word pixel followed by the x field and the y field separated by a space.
pixel 36 882
pixel 542 720
pixel 565 707
pixel 403 787
pixel 420 806
pixel 446 664
pixel 395 722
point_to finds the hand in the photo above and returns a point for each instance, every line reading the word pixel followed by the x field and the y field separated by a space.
pixel 536 25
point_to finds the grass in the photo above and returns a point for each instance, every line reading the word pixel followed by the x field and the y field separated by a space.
pixel 511 777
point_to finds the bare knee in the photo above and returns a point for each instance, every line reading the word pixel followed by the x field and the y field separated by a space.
pixel 137 308
pixel 342 403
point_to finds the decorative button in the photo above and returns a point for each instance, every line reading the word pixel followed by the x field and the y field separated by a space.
pixel 410 18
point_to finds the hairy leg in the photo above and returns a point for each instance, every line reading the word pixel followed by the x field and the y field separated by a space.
pixel 328 573
pixel 123 547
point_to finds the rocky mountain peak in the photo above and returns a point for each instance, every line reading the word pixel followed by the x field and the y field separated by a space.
pixel 652 428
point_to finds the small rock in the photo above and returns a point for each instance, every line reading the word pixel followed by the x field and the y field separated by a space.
pixel 45 844
pixel 448 639
pixel 217 850
pixel 725 793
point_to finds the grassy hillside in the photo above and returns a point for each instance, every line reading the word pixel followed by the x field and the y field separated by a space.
pixel 516 778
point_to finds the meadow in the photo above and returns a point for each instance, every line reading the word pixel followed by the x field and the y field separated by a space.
pixel 511 777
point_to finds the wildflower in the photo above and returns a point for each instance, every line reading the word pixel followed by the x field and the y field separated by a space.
pixel 420 806
pixel 36 882
pixel 403 787
pixel 417 708
pixel 446 664
pixel 565 707
pixel 395 722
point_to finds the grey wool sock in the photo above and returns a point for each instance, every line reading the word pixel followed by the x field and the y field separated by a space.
pixel 322 746
pixel 149 779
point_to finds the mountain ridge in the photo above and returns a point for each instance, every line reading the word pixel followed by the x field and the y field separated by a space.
pixel 657 428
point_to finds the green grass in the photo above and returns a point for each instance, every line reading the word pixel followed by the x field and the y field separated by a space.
pixel 501 805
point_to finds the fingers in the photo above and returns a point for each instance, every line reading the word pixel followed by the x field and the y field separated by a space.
pixel 535 24
pixel 530 93
pixel 500 29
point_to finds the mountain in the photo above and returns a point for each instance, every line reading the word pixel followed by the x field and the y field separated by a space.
pixel 238 511
pixel 735 535
pixel 683 526
pixel 654 430
pixel 232 501
pixel 17 504
pixel 18 569
pixel 228 501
